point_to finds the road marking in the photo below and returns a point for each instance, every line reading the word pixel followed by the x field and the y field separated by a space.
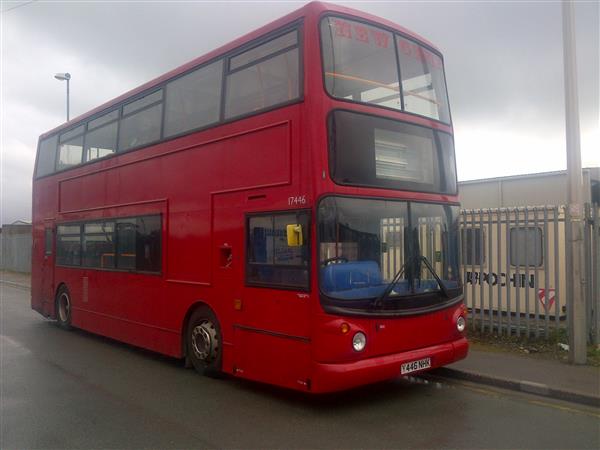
pixel 563 408
pixel 15 285
pixel 496 394
pixel 9 342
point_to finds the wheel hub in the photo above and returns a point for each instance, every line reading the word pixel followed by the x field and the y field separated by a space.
pixel 204 341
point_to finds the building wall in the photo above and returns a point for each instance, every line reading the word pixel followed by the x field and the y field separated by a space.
pixel 522 190
pixel 16 248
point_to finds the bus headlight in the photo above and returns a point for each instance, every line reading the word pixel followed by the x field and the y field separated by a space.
pixel 460 324
pixel 359 341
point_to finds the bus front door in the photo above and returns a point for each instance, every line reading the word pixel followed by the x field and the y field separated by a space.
pixel 268 321
pixel 273 334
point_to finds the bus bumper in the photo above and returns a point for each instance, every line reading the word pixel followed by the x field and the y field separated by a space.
pixel 338 377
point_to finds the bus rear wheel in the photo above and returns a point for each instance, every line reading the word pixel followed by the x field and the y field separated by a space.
pixel 203 342
pixel 63 308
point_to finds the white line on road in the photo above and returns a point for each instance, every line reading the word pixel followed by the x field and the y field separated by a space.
pixel 11 343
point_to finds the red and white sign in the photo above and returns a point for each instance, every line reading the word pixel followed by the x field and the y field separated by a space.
pixel 546 300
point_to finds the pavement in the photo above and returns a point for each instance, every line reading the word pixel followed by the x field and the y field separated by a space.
pixel 543 377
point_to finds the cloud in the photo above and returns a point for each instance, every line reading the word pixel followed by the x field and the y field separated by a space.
pixel 503 64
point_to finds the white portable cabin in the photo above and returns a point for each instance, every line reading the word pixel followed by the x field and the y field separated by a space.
pixel 513 245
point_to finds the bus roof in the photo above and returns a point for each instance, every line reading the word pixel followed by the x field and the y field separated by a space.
pixel 314 9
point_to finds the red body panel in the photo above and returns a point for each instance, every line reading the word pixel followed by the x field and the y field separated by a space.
pixel 204 184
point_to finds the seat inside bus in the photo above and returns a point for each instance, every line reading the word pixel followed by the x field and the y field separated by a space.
pixel 361 277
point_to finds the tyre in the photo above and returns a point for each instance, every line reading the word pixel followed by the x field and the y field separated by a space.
pixel 63 308
pixel 203 342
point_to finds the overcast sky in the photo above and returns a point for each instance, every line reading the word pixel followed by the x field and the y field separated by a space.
pixel 503 66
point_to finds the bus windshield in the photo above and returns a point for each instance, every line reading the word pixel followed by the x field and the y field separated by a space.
pixel 364 244
pixel 365 64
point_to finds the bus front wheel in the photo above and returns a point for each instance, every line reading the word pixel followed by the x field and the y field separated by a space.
pixel 63 308
pixel 203 342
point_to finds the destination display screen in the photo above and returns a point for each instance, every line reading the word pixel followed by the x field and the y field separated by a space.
pixel 371 151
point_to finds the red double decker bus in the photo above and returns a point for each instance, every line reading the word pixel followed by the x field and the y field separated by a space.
pixel 282 209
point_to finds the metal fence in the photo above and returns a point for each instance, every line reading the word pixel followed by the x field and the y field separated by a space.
pixel 592 257
pixel 514 266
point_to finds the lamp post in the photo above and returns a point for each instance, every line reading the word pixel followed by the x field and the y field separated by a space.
pixel 575 271
pixel 65 77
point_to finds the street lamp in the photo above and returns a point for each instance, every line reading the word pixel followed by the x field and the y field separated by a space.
pixel 65 77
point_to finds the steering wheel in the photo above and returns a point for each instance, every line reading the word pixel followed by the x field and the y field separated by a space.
pixel 334 260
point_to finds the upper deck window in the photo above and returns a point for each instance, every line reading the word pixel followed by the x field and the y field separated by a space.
pixel 70 150
pixel 260 76
pixel 103 120
pixel 362 63
pixel 423 82
pixel 194 100
pixel 273 46
pixel 263 77
pixel 101 138
pixel 141 121
pixel 142 102
pixel 46 156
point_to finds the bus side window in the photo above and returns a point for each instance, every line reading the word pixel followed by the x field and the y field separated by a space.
pixel 139 243
pixel 46 156
pixel 270 260
pixel 148 244
pixel 70 148
pixel 264 76
pixel 141 121
pixel 126 243
pixel 194 100
pixel 68 245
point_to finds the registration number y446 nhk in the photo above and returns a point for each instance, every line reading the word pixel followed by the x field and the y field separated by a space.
pixel 413 366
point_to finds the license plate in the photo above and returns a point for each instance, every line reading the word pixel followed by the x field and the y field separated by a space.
pixel 413 366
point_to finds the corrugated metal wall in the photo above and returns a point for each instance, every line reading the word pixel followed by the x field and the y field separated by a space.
pixel 16 248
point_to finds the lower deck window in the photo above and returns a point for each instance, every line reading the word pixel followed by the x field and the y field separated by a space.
pixel 132 244
pixel 68 245
pixel 270 260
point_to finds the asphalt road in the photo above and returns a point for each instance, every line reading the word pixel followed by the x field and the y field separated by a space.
pixel 77 390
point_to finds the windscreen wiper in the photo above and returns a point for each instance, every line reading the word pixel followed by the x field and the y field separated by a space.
pixel 377 302
pixel 435 275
